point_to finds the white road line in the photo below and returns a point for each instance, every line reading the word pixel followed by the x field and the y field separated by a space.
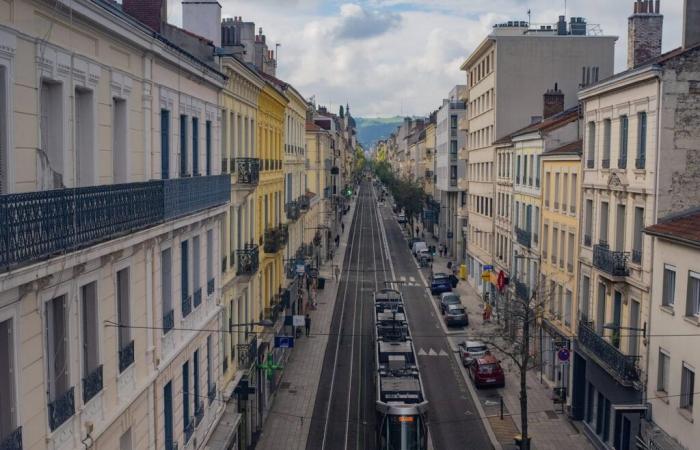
pixel 412 279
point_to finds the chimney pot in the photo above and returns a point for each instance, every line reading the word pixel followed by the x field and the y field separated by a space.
pixel 691 23
pixel 152 13
pixel 645 29
pixel 553 102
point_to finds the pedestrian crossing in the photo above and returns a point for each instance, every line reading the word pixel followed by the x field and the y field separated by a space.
pixel 410 281
pixel 432 352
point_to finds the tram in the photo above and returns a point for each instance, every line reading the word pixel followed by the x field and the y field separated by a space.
pixel 401 406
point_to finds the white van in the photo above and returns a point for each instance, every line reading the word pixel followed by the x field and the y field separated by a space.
pixel 418 247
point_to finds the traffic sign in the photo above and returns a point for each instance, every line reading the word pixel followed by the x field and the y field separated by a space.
pixel 284 342
pixel 299 320
pixel 488 267
pixel 563 356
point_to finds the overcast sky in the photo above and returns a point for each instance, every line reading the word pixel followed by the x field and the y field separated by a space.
pixel 391 57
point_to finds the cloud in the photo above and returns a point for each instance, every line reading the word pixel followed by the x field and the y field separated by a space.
pixel 356 22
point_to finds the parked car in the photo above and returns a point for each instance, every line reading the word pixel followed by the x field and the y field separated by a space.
pixel 419 246
pixel 487 371
pixel 456 315
pixel 412 241
pixel 425 254
pixel 439 283
pixel 402 218
pixel 448 298
pixel 471 350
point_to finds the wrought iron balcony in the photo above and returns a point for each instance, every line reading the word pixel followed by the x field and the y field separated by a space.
pixel 197 297
pixel 611 262
pixel 590 164
pixel 186 305
pixel 293 210
pixel 283 234
pixel 38 225
pixel 271 240
pixel 587 240
pixel 248 260
pixel 189 429
pixel 168 321
pixel 523 237
pixel 198 414
pixel 211 393
pixel 623 367
pixel 247 353
pixel 12 441
pixel 640 163
pixel 210 286
pixel 637 256
pixel 304 202
pixel 92 384
pixel 605 163
pixel 522 291
pixel 126 356
pixel 62 409
pixel 622 163
pixel 247 170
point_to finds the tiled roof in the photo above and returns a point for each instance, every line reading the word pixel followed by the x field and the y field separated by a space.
pixel 684 226
pixel 310 126
pixel 550 123
pixel 572 148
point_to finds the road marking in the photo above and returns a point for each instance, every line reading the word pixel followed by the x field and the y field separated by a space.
pixel 442 352
pixel 413 280
pixel 403 279
pixel 421 352
pixel 432 352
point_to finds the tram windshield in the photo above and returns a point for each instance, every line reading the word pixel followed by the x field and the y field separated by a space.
pixel 403 433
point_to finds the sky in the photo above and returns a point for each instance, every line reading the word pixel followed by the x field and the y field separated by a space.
pixel 402 57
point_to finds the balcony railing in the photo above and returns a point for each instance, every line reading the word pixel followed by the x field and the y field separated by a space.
pixel 197 297
pixel 247 170
pixel 126 356
pixel 12 441
pixel 38 225
pixel 605 163
pixel 590 164
pixel 92 385
pixel 611 262
pixel 304 202
pixel 210 286
pixel 186 305
pixel 622 163
pixel 189 429
pixel 523 237
pixel 168 321
pixel 247 353
pixel 623 366
pixel 248 260
pixel 636 256
pixel 293 211
pixel 587 240
pixel 640 163
pixel 283 235
pixel 271 240
pixel 211 393
pixel 522 291
pixel 198 414
pixel 62 409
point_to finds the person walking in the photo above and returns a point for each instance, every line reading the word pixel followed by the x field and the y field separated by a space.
pixel 488 309
pixel 337 240
pixel 307 324
pixel 342 227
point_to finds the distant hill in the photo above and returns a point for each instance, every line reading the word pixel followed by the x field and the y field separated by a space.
pixel 372 129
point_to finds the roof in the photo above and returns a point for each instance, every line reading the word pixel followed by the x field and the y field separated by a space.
pixel 310 126
pixel 572 148
pixel 682 227
pixel 551 123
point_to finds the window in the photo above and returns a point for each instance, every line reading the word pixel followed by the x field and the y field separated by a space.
pixel 183 146
pixel 8 402
pixel 165 144
pixel 687 387
pixel 585 297
pixel 574 190
pixel 620 228
pixel 210 257
pixel 587 238
pixel 624 137
pixel 565 191
pixel 562 243
pixel 663 371
pixel 567 308
pixel 545 237
pixel 184 279
pixel 606 144
pixel 170 444
pixel 453 147
pixel 210 371
pixel 637 238
pixel 547 188
pixel 591 145
pixel 126 344
pixel 120 144
pixel 195 146
pixel 4 145
pixel 207 131
pixel 92 370
pixel 453 122
pixel 166 289
pixel 693 301
pixel 52 131
pixel 125 440
pixel 186 399
pixel 603 223
pixel 85 137
pixel 195 378
pixel 196 285
pixel 669 287
pixel 58 364
pixel 600 312
pixel 570 254
pixel 525 169
pixel 555 237
pixel 556 191
pixel 537 171
pixel 640 163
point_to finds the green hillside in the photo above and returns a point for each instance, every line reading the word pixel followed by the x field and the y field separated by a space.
pixel 372 129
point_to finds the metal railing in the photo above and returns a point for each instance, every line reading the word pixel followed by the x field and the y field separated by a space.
pixel 92 384
pixel 523 237
pixel 247 353
pixel 605 163
pixel 210 286
pixel 168 321
pixel 197 297
pixel 283 235
pixel 271 242
pixel 522 291
pixel 126 356
pixel 611 262
pixel 590 164
pixel 247 170
pixel 304 202
pixel 293 211
pixel 13 441
pixel 198 414
pixel 587 240
pixel 38 225
pixel 248 260
pixel 623 366
pixel 186 305
pixel 636 256
pixel 640 163
pixel 622 163
pixel 62 409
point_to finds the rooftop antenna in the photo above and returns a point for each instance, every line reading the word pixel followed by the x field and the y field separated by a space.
pixel 529 17
pixel 565 7
pixel 277 54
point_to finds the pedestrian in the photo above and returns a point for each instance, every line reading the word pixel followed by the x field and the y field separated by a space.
pixel 307 324
pixel 337 272
pixel 417 230
pixel 337 240
pixel 487 312
pixel 342 226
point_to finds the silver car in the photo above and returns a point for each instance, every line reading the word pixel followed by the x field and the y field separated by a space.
pixel 471 350
pixel 456 315
pixel 448 298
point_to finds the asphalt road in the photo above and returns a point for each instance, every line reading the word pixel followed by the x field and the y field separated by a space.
pixel 344 413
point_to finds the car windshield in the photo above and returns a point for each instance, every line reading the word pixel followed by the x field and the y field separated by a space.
pixel 439 276
pixel 477 349
pixel 487 368
pixel 456 311
pixel 452 300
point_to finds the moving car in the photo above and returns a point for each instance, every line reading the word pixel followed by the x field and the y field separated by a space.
pixel 448 298
pixel 439 283
pixel 456 315
pixel 487 371
pixel 471 350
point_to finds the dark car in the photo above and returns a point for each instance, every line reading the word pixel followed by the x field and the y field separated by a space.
pixel 439 283
pixel 448 298
pixel 487 371
pixel 456 316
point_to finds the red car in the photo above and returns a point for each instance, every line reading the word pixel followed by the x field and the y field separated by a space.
pixel 487 371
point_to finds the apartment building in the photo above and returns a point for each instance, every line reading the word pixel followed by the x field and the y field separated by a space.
pixel 113 201
pixel 639 141
pixel 512 56
pixel 449 170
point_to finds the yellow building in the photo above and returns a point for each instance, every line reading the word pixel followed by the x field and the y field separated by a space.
pixel 319 143
pixel 559 254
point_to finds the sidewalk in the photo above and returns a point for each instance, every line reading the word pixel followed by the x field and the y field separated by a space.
pixel 287 426
pixel 548 427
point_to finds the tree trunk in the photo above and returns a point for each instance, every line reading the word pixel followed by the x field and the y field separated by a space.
pixel 525 352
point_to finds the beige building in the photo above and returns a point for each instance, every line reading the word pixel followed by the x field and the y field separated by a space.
pixel 111 151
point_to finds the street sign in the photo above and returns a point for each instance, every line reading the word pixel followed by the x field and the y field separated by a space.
pixel 563 356
pixel 486 275
pixel 488 267
pixel 300 269
pixel 284 342
pixel 298 321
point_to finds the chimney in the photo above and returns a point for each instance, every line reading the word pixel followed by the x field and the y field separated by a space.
pixel 691 23
pixel 644 31
pixel 553 102
pixel 203 18
pixel 152 13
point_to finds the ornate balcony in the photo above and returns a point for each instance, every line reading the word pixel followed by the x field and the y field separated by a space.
pixel 640 163
pixel 186 305
pixel 189 429
pixel 198 414
pixel 610 262
pixel 92 384
pixel 247 171
pixel 622 367
pixel 523 237
pixel 12 441
pixel 126 356
pixel 304 202
pixel 522 291
pixel 210 286
pixel 247 353
pixel 248 260
pixel 197 297
pixel 168 321
pixel 271 241
pixel 293 210
pixel 38 225
pixel 62 409
pixel 283 234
